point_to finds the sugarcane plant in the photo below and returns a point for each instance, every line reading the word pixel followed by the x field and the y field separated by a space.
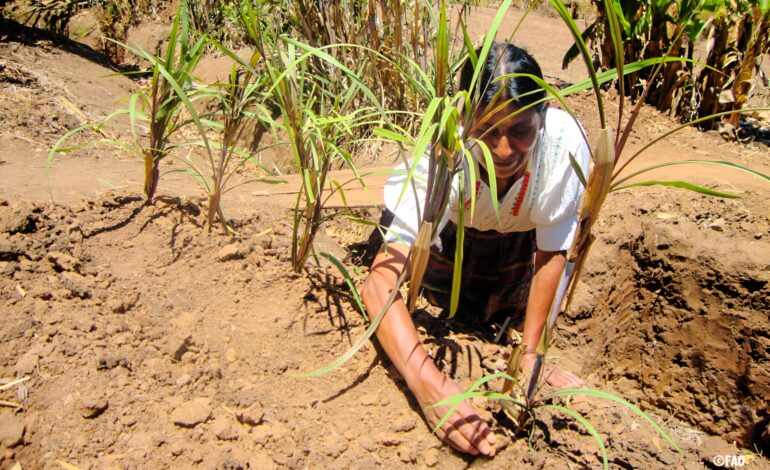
pixel 323 109
pixel 172 104
pixel 159 103
pixel 166 95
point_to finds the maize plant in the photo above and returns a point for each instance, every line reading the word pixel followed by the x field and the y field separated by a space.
pixel 739 36
pixel 736 37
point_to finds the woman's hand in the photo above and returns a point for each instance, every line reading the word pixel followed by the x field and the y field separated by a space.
pixel 552 375
pixel 465 430
pixel 548 268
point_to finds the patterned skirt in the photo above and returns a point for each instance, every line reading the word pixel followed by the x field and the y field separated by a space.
pixel 496 276
pixel 497 272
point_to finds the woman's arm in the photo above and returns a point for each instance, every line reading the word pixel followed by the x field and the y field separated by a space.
pixel 548 268
pixel 465 430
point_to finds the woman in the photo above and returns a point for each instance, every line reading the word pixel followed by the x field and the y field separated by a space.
pixel 512 265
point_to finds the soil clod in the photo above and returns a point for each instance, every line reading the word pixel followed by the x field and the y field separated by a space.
pixel 192 413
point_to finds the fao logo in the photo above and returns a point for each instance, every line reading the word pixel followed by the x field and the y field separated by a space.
pixel 729 461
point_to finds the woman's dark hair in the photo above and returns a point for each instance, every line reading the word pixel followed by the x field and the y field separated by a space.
pixel 504 59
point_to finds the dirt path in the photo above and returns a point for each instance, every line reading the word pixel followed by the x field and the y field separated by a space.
pixel 151 343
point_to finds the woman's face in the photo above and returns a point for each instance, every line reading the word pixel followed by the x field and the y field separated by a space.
pixel 511 140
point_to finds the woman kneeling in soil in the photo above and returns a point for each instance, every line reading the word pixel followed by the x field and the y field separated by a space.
pixel 511 268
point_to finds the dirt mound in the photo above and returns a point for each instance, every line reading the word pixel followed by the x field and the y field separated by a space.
pixel 681 311
pixel 151 343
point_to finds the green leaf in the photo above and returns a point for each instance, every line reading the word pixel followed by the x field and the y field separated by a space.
pixel 362 340
pixel 574 51
pixel 612 74
pixel 682 185
pixel 589 427
pixel 455 400
pixel 578 170
pixel 349 280
pixel 490 167
pixel 690 162
pixel 488 40
pixel 685 125
pixel 457 272
pixel 573 28
pixel 392 135
pixel 613 12
pixel 57 147
pixel 473 180
pixel 612 397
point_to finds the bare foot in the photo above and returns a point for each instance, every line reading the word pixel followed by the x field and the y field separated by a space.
pixel 553 376
pixel 464 430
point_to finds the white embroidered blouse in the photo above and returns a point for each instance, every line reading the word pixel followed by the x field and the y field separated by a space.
pixel 546 198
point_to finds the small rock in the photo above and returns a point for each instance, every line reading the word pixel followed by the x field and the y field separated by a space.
pixel 251 416
pixel 224 430
pixel 369 399
pixel 176 448
pixel 266 242
pixel 29 266
pixel 140 441
pixel 367 444
pixel 404 424
pixel 334 445
pixel 11 429
pixel 41 291
pixel 261 435
pixel 231 355
pixel 64 262
pixel 229 252
pixel 128 420
pixel 10 251
pixel 123 305
pixel 26 364
pixel 279 431
pixel 718 225
pixel 431 457
pixel 183 380
pixel 192 413
pixel 76 284
pixel 111 361
pixel 489 364
pixel 91 406
pixel 196 455
pixel 489 349
pixel 261 461
pixel 389 439
pixel 407 454
pixel 21 220
pixel 230 463
pixel 715 445
pixel 176 345
pixel 757 236
pixel 7 268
